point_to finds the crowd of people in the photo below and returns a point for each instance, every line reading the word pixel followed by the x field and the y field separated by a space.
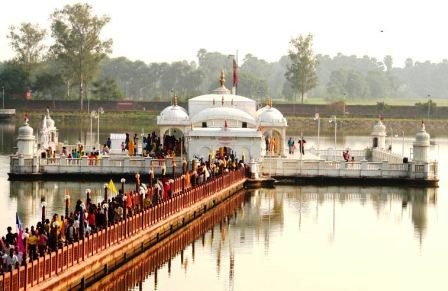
pixel 152 146
pixel 88 217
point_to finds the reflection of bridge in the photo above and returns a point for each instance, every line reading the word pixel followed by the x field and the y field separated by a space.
pixel 140 267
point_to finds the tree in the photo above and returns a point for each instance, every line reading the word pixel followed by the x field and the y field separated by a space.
pixel 77 42
pixel 302 71
pixel 388 62
pixel 106 89
pixel 15 80
pixel 48 85
pixel 26 41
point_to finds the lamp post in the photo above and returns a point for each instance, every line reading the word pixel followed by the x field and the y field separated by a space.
pixel 43 204
pixel 123 180
pixel 67 204
pixel 87 197
pixel 124 215
pixel 429 107
pixel 96 114
pixel 100 111
pixel 141 193
pixel 317 117
pixel 334 120
pixel 402 143
pixel 106 214
pixel 151 177
pixel 183 183
pixel 391 138
pixel 105 192
pixel 3 96
pixel 137 182
pixel 92 115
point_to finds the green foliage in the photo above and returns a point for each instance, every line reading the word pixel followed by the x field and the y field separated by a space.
pixel 76 32
pixel 106 89
pixel 15 80
pixel 381 107
pixel 253 86
pixel 27 42
pixel 302 71
pixel 48 85
pixel 429 106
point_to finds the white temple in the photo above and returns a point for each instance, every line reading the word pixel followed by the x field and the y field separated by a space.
pixel 48 133
pixel 228 124
pixel 221 121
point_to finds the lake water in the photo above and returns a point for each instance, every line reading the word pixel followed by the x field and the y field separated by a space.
pixel 290 237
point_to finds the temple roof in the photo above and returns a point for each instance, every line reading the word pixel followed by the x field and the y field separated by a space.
pixel 223 113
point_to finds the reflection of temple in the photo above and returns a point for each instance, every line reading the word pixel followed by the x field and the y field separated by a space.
pixel 264 212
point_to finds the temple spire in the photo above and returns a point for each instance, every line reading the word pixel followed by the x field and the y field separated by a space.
pixel 175 100
pixel 222 79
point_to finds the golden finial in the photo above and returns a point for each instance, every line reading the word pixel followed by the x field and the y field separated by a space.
pixel 222 100
pixel 270 101
pixel 175 100
pixel 222 80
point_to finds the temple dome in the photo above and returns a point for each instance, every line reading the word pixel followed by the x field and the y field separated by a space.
pixel 271 116
pixel 379 129
pixel 174 113
pixel 261 110
pixel 25 131
pixel 50 123
pixel 223 113
pixel 422 138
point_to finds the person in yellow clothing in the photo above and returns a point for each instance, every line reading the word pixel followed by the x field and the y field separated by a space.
pixel 32 244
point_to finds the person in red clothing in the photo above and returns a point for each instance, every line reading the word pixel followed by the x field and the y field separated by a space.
pixel 166 189
pixel 92 219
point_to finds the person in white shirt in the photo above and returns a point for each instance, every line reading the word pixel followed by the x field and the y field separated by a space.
pixel 10 261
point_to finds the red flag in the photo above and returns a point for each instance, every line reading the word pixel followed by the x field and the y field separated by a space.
pixel 235 74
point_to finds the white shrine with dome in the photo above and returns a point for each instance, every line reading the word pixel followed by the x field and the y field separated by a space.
pixel 221 120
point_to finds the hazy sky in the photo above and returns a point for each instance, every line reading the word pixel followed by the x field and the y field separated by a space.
pixel 164 30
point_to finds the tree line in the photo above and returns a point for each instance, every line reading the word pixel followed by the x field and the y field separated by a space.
pixel 77 66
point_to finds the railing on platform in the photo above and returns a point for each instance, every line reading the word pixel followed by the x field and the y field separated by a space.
pixel 114 164
pixel 383 169
pixel 55 262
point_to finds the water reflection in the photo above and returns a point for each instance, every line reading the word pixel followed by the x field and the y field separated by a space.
pixel 7 129
pixel 147 266
pixel 273 228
